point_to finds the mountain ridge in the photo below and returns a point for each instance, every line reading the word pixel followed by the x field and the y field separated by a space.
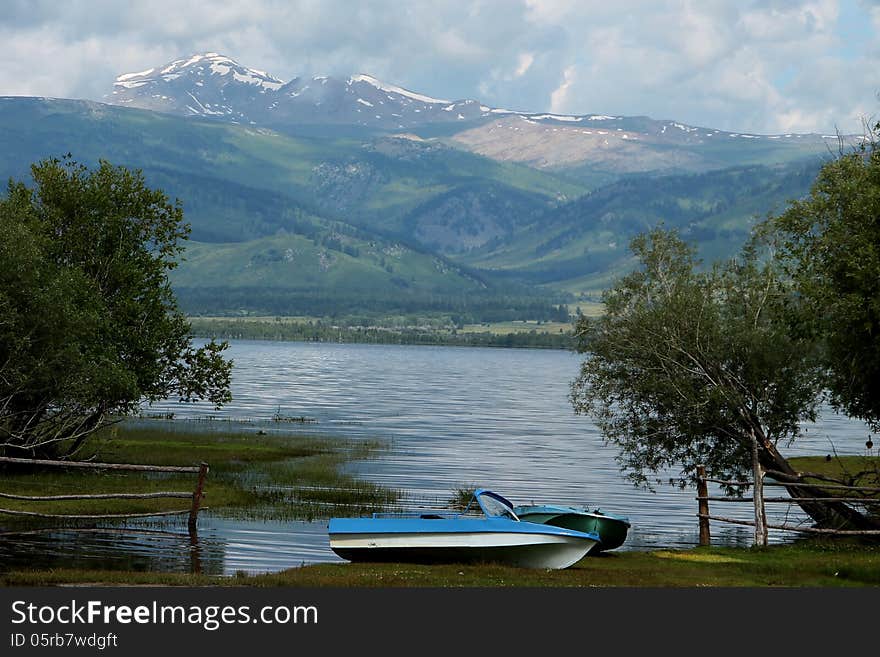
pixel 214 70
pixel 589 148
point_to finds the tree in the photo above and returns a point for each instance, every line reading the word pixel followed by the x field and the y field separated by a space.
pixel 690 367
pixel 89 325
pixel 829 244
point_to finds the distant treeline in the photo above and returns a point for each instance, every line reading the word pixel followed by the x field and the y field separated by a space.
pixel 244 329
pixel 468 309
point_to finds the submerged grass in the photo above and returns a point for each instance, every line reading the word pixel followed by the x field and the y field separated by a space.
pixel 252 475
pixel 816 563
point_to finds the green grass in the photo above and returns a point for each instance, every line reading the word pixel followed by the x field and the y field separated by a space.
pixel 296 263
pixel 523 326
pixel 273 477
pixel 824 563
pixel 852 470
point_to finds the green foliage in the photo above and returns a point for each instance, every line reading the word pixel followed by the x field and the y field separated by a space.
pixel 587 238
pixel 89 325
pixel 830 244
pixel 686 366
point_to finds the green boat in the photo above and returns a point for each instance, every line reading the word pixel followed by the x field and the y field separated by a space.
pixel 612 529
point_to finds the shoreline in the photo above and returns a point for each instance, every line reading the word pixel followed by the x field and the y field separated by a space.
pixel 292 331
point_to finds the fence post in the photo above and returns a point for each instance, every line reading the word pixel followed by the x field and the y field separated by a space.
pixel 758 496
pixel 197 497
pixel 703 505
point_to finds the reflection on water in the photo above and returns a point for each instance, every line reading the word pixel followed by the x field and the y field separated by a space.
pixel 498 418
pixel 221 547
pixel 138 549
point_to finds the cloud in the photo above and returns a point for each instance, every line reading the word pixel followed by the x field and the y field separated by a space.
pixel 523 64
pixel 754 66
pixel 559 97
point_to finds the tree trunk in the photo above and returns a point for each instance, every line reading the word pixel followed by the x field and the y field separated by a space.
pixel 829 515
pixel 758 476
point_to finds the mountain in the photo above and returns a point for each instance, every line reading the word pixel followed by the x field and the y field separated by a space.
pixel 601 149
pixel 213 85
pixel 206 85
pixel 593 149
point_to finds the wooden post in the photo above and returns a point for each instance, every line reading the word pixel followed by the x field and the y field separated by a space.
pixel 703 505
pixel 197 498
pixel 758 497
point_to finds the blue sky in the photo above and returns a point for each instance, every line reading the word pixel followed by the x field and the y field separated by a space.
pixel 762 66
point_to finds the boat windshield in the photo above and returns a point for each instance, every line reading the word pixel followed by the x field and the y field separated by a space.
pixel 493 505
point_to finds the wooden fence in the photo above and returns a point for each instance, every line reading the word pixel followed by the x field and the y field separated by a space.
pixel 195 496
pixel 758 501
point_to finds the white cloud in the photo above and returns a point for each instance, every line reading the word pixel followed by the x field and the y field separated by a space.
pixel 451 43
pixel 548 11
pixel 523 64
pixel 559 97
pixel 703 39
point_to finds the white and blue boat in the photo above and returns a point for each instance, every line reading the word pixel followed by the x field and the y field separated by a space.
pixel 496 535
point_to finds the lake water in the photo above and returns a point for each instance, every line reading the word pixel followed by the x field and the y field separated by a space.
pixel 452 417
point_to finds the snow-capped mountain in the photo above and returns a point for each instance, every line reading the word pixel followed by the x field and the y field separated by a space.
pixel 363 100
pixel 209 84
pixel 216 86
pixel 212 84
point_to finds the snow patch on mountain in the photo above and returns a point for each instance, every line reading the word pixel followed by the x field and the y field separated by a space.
pixel 556 117
pixel 131 84
pixel 390 88
pixel 129 76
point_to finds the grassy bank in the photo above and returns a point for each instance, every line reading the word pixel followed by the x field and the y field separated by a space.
pixel 851 470
pixel 251 475
pixel 811 564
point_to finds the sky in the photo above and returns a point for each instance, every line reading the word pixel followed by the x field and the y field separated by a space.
pixel 758 66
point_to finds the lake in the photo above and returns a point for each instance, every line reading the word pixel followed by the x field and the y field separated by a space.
pixel 451 417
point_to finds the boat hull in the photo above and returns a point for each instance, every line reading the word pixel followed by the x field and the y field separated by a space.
pixel 458 541
pixel 612 529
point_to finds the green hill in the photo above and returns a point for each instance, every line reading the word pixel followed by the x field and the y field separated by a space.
pixel 578 245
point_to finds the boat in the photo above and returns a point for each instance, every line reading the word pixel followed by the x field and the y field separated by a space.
pixel 612 529
pixel 494 535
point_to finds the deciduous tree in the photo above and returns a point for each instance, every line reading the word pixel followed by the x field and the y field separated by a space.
pixel 690 366
pixel 89 325
pixel 829 244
